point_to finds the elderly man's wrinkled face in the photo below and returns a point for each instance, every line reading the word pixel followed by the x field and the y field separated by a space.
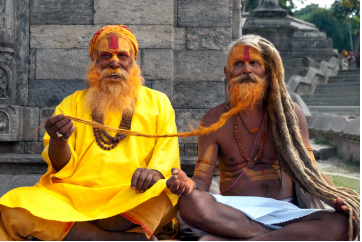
pixel 246 75
pixel 114 55
pixel 114 77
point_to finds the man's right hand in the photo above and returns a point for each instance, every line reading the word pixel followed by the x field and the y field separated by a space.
pixel 61 125
pixel 179 183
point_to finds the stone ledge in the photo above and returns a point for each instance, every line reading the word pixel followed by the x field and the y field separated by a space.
pixel 21 158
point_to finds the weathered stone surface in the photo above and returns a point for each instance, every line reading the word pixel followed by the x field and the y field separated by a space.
pixel 78 36
pixel 6 147
pixel 162 86
pixel 208 38
pixel 21 53
pixel 188 149
pixel 21 158
pixel 23 180
pixel 157 63
pixel 197 94
pixel 34 147
pixel 18 148
pixel 199 65
pixel 10 119
pixel 179 38
pixel 7 90
pixel 32 64
pixel 133 12
pixel 44 113
pixel 49 93
pixel 4 182
pixel 61 12
pixel 30 121
pixel 204 13
pixel 236 30
pixel 62 64
pixel 237 4
pixel 11 168
pixel 185 118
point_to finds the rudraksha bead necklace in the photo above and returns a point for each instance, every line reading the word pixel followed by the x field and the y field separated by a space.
pixel 241 148
pixel 105 140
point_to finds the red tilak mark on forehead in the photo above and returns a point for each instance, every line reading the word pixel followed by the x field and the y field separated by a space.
pixel 114 43
pixel 246 54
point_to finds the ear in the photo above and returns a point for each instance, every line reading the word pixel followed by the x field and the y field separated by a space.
pixel 227 73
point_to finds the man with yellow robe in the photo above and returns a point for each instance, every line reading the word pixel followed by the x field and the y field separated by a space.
pixel 101 185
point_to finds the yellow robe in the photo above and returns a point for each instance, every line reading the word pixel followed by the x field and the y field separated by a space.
pixel 95 184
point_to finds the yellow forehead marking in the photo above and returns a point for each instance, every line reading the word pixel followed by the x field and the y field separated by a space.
pixel 245 54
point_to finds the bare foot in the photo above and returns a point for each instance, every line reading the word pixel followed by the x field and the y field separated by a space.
pixel 153 238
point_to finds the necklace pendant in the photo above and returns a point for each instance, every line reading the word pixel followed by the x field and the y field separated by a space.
pixel 253 131
pixel 251 164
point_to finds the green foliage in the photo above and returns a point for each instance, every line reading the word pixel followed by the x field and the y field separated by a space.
pixel 334 21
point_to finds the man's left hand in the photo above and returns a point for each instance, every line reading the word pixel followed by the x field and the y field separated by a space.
pixel 339 207
pixel 144 178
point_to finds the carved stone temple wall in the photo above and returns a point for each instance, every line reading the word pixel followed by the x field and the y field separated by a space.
pixel 44 58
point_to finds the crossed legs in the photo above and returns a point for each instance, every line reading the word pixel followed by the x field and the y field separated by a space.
pixel 220 221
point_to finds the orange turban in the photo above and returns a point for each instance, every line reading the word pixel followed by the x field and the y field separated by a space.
pixel 118 29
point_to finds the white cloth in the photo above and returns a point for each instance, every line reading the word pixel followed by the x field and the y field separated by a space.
pixel 267 211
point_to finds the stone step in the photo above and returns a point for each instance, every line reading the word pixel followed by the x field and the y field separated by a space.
pixel 330 95
pixel 336 84
pixel 11 181
pixel 352 76
pixel 329 99
pixel 349 72
pixel 330 103
pixel 311 43
pixel 335 109
pixel 322 152
pixel 314 53
pixel 341 89
pixel 343 80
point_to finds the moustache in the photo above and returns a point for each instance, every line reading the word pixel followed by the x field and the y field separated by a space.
pixel 241 78
pixel 111 72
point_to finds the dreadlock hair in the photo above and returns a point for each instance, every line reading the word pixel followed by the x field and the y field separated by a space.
pixel 292 153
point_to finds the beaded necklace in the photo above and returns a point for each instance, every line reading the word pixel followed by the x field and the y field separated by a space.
pixel 242 151
pixel 105 140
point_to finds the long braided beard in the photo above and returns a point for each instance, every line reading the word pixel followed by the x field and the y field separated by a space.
pixel 107 94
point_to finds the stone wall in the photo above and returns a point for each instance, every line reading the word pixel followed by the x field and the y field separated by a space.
pixel 44 57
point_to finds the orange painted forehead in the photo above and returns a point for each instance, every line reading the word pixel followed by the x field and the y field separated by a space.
pixel 114 43
pixel 245 54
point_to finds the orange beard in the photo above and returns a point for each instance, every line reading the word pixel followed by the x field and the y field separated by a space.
pixel 247 95
pixel 107 94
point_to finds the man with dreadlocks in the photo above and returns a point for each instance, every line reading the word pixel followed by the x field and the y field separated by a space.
pixel 101 185
pixel 260 139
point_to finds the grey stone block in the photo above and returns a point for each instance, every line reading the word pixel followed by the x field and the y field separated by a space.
pixel 61 12
pixel 78 36
pixel 236 29
pixel 184 119
pixel 49 93
pixel 162 86
pixel 6 147
pixel 11 168
pixel 10 123
pixel 326 153
pixel 188 149
pixel 4 183
pixel 157 63
pixel 237 4
pixel 133 12
pixel 32 64
pixel 34 147
pixel 44 113
pixel 18 148
pixel 30 159
pixel 23 180
pixel 199 65
pixel 29 123
pixel 204 13
pixel 208 38
pixel 179 38
pixel 62 64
